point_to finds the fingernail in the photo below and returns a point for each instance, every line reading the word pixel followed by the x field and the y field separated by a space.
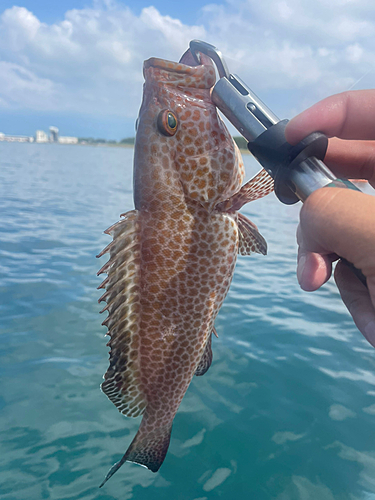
pixel 301 267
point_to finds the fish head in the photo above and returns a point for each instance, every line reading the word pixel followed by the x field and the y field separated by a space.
pixel 182 145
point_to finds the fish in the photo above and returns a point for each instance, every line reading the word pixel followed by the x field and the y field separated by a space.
pixel 172 258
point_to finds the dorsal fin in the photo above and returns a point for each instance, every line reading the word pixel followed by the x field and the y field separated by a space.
pixel 257 187
pixel 250 239
pixel 206 359
pixel 121 381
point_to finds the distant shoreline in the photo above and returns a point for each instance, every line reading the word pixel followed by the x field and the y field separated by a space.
pixel 96 145
pixel 99 144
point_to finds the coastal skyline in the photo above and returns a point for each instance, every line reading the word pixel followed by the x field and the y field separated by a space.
pixel 79 63
pixel 54 136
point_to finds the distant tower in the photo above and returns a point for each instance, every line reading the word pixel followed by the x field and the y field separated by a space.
pixel 41 136
pixel 54 134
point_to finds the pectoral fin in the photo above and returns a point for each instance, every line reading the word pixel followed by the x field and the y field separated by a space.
pixel 257 187
pixel 250 239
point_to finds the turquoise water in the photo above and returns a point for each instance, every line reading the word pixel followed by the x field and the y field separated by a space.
pixel 286 411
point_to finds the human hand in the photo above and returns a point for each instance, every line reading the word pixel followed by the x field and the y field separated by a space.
pixel 341 221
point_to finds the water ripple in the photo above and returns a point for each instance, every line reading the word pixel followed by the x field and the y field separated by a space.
pixel 286 410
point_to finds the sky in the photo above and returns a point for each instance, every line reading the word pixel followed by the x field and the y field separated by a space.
pixel 77 64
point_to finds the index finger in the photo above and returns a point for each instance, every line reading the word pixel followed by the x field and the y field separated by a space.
pixel 350 115
pixel 351 159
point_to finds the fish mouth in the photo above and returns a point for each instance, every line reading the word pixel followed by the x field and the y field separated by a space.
pixel 188 59
pixel 187 72
pixel 186 64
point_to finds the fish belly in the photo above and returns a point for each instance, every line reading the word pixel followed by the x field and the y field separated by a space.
pixel 187 263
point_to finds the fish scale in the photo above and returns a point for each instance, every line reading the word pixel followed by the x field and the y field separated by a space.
pixel 172 258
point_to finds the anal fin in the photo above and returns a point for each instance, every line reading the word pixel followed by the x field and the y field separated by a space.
pixel 206 358
pixel 250 239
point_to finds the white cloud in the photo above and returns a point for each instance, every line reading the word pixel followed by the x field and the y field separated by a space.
pixel 297 44
pixel 90 62
pixel 18 28
pixel 354 53
pixel 284 10
pixel 22 88
pixel 295 51
pixel 171 29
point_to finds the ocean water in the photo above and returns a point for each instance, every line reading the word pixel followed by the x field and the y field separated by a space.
pixel 286 411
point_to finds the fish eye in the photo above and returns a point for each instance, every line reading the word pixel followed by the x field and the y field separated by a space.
pixel 167 122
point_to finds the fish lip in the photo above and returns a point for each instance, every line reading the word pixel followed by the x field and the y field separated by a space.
pixel 157 62
pixel 185 65
pixel 188 59
pixel 176 74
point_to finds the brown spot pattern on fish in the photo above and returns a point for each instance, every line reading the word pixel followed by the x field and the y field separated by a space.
pixel 172 258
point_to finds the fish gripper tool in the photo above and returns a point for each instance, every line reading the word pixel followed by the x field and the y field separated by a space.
pixel 297 170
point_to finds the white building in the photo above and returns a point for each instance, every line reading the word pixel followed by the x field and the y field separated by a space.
pixel 41 136
pixel 15 138
pixel 68 140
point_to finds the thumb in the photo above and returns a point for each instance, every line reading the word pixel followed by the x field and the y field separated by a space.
pixel 341 221
pixel 357 300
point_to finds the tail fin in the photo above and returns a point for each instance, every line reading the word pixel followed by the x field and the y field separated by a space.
pixel 113 469
pixel 147 449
